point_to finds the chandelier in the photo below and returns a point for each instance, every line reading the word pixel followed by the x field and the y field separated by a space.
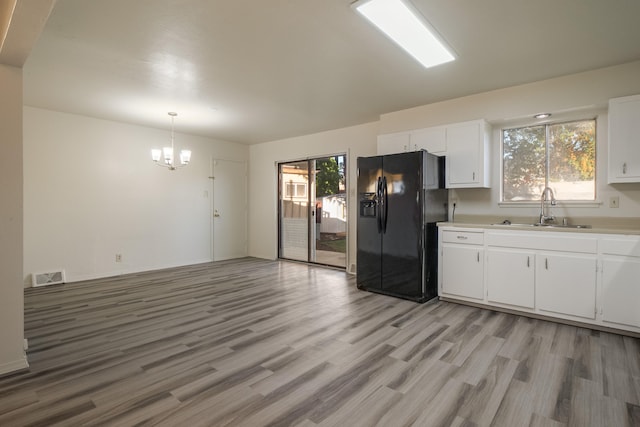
pixel 168 161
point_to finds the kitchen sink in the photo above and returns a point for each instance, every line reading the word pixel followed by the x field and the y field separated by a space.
pixel 508 223
pixel 562 225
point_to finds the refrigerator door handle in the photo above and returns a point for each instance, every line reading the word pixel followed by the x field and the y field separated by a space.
pixel 385 207
pixel 379 204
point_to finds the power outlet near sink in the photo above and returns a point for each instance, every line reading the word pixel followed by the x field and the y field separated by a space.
pixel 614 202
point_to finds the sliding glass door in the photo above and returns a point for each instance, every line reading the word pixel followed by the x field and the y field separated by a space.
pixel 295 191
pixel 312 224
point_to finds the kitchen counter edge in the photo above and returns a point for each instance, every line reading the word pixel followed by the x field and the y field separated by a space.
pixel 595 230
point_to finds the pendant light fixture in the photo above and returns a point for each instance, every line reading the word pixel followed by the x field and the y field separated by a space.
pixel 168 161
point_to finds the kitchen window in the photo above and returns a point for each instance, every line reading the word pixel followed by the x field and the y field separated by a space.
pixel 561 156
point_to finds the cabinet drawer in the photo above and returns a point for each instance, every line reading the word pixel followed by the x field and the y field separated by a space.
pixel 625 247
pixel 543 240
pixel 466 237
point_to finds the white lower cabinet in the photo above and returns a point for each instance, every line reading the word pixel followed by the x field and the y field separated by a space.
pixel 462 264
pixel 551 282
pixel 621 282
pixel 543 272
pixel 583 277
pixel 621 291
pixel 511 277
pixel 566 284
pixel 463 271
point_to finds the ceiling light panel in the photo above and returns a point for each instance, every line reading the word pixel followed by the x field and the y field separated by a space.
pixel 405 26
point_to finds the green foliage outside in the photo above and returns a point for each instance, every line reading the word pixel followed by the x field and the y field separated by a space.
pixel 572 151
pixel 337 245
pixel 571 156
pixel 524 162
pixel 327 177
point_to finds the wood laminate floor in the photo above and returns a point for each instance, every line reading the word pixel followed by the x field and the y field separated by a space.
pixel 259 343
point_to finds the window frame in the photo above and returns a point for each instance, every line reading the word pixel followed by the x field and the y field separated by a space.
pixel 595 117
pixel 295 185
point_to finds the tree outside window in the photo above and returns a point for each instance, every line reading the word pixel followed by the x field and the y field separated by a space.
pixel 560 155
pixel 330 176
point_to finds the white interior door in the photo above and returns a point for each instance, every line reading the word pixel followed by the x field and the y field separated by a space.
pixel 229 209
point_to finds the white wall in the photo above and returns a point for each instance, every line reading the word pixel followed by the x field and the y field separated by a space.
pixel 263 180
pixel 12 355
pixel 570 96
pixel 91 191
pixel 574 96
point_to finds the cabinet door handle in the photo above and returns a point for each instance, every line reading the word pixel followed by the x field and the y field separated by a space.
pixel 478 256
pixel 624 168
pixel 462 237
pixel 527 262
pixel 474 176
pixel 546 263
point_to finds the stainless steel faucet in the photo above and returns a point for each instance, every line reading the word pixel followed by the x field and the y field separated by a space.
pixel 546 216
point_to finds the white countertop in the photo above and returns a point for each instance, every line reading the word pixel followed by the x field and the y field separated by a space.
pixel 598 225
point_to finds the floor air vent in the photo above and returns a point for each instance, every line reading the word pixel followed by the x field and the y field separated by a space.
pixel 50 278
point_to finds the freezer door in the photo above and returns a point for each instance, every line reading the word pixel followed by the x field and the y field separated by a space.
pixel 369 225
pixel 402 238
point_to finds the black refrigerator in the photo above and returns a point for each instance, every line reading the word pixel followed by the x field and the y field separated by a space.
pixel 401 198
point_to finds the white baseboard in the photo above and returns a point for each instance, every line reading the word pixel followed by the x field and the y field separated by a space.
pixel 15 365
pixel 71 278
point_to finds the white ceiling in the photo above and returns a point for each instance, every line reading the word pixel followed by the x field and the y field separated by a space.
pixel 252 71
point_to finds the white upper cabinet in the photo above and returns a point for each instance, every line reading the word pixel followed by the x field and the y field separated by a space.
pixel 465 145
pixel 431 139
pixel 434 139
pixel 393 143
pixel 624 139
pixel 467 164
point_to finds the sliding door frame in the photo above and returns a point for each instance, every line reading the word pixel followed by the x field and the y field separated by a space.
pixel 311 209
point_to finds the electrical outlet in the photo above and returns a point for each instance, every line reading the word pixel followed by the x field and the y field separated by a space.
pixel 614 202
pixel 118 257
